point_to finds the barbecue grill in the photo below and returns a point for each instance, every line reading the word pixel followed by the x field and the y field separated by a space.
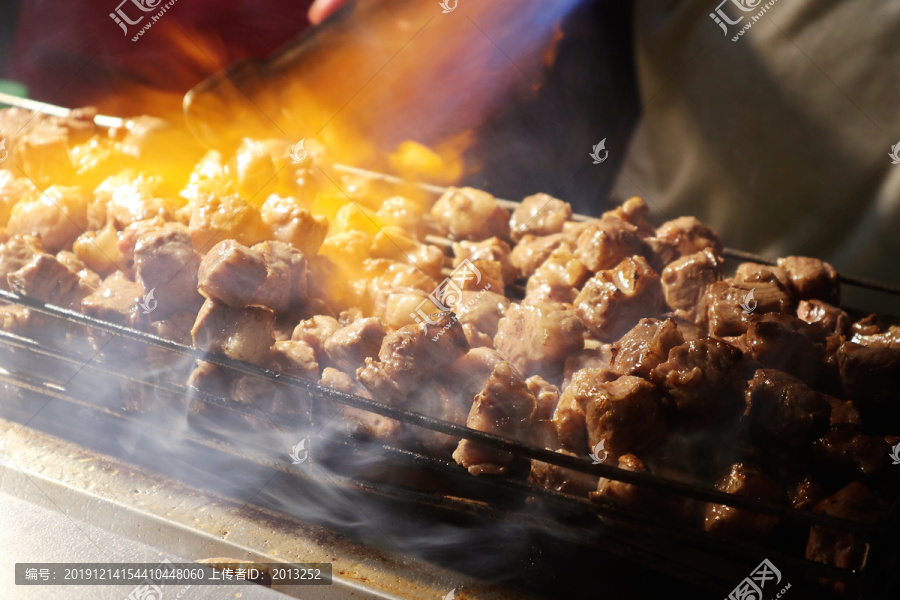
pixel 393 496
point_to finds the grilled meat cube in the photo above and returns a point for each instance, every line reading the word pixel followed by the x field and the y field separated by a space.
pixel 403 213
pixel 787 343
pixel 411 355
pixel 315 332
pixel 46 279
pixel 612 302
pixel 854 502
pixel 266 397
pixel 626 495
pixel 210 379
pixel 476 338
pixel 843 411
pixel 847 452
pixel 285 285
pixel 117 300
pixel 296 358
pixel 531 251
pixel 348 347
pixel 493 249
pixel 557 280
pixel 698 383
pixel 218 216
pixel 753 273
pixel 399 245
pixel 71 261
pixel 57 217
pixel 12 190
pixel 562 480
pixel 540 214
pixel 626 415
pixel 241 333
pixel 467 213
pixel 504 407
pixel 30 324
pixel 786 408
pixel 728 521
pixel 176 327
pixel 831 318
pixel 231 273
pixel 569 416
pixel 545 394
pixel 483 310
pixel 806 493
pixel 165 261
pixel 471 371
pixel 537 338
pixel 634 211
pixel 18 250
pixel 292 224
pixel 435 399
pixel 681 237
pixel 647 345
pixel 686 282
pixel 356 421
pixel 870 325
pixel 605 243
pixel 812 279
pixel 869 377
pixel 726 299
pixel 886 339
pixel 594 356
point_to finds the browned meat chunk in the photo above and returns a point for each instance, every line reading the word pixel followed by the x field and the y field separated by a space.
pixel 71 261
pixel 165 261
pixel 483 310
pixel 531 252
pixel 855 502
pixel 753 273
pixel 786 408
pixel 868 326
pixel 806 493
pixel 315 332
pixel 831 318
pixel 493 249
pixel 241 333
pixel 545 394
pixel 117 300
pixel 850 454
pixel 467 213
pixel 626 416
pixel 733 522
pixel 356 421
pixel 540 214
pixel 557 280
pixel 634 211
pixel 504 407
pixel 686 282
pixel 607 242
pixel 812 279
pixel 297 359
pixel 286 277
pixel 640 350
pixel 18 250
pixel 594 356
pixel 612 302
pixel 569 417
pixel 698 383
pixel 885 339
pixel 626 495
pixel 440 401
pixel 728 303
pixel 231 273
pixel 411 355
pixel 469 374
pixel 44 278
pixel 537 338
pixel 348 347
pixel 788 344
pixel 210 379
pixel 58 217
pixel 562 480
pixel 681 237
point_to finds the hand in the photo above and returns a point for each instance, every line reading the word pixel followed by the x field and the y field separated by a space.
pixel 320 9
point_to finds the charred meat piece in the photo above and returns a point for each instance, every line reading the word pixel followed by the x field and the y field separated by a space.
pixel 531 251
pixel 786 408
pixel 537 338
pixel 682 237
pixel 411 355
pixel 831 318
pixel 626 495
pixel 46 279
pixel 788 344
pixel 117 300
pixel 753 273
pixel 886 339
pixel 18 250
pixel 467 213
pixel 849 453
pixel 612 302
pixel 594 356
pixel 741 524
pixel 58 216
pixel 315 332
pixel 855 502
pixel 626 415
pixel 605 243
pixel 686 282
pixel 812 279
pixel 241 333
pixel 634 211
pixel 569 417
pixel 698 383
pixel 493 249
pixel 545 394
pixel 730 304
pixel 806 493
pixel 297 359
pixel 562 480
pixel 356 421
pixel 640 350
pixel 483 310
pixel 165 261
pixel 557 280
pixel 348 347
pixel 285 285
pixel 231 273
pixel 540 214
pixel 71 261
pixel 869 377
pixel 504 407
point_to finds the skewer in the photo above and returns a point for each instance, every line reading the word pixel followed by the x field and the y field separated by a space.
pixel 56 111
